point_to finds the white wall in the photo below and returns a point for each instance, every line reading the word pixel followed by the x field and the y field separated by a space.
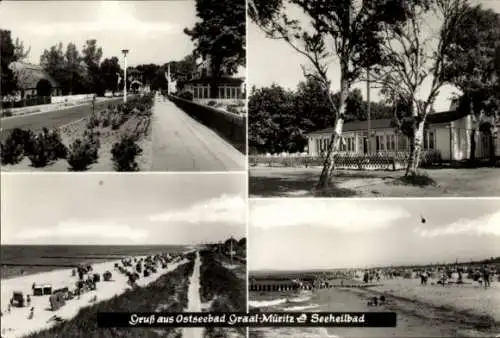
pixel 72 98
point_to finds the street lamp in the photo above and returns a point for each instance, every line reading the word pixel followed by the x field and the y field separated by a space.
pixel 125 52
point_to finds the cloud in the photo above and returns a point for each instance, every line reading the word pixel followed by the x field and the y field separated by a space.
pixel 351 216
pixel 486 225
pixel 74 229
pixel 223 209
pixel 110 16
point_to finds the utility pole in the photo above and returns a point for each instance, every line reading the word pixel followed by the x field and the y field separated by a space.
pixel 368 110
pixel 125 52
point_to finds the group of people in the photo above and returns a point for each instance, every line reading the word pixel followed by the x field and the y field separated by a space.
pixel 482 276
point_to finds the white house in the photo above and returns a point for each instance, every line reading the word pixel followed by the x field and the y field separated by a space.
pixel 449 134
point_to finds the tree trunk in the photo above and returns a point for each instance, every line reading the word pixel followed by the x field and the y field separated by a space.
pixel 416 152
pixel 333 144
pixel 473 142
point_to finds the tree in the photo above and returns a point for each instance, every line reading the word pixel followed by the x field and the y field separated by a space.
pixel 92 57
pixel 270 111
pixel 109 71
pixel 471 64
pixel 346 29
pixel 7 56
pixel 75 70
pixel 52 60
pixel 220 34
pixel 415 56
pixel 20 53
pixel 182 71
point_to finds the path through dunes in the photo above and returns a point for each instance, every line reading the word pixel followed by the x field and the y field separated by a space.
pixel 194 299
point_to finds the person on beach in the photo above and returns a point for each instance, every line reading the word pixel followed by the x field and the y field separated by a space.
pixel 486 276
pixel 28 300
pixel 32 313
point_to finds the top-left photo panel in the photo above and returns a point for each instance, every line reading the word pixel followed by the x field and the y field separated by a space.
pixel 131 86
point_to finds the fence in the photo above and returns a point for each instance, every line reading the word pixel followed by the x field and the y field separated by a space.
pixel 26 102
pixel 230 126
pixel 376 161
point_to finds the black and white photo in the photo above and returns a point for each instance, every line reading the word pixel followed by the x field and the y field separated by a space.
pixel 76 245
pixel 436 263
pixel 374 98
pixel 123 86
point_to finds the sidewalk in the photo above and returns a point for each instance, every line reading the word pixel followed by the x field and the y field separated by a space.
pixel 181 143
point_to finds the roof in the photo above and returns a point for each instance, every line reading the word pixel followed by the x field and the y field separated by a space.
pixel 28 75
pixel 237 81
pixel 434 118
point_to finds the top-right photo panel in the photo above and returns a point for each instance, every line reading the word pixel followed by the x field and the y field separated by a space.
pixel 385 98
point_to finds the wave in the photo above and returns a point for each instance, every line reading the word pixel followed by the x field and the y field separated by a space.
pixel 266 303
pixel 301 308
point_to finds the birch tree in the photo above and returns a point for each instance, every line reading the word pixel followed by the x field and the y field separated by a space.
pixel 414 65
pixel 342 33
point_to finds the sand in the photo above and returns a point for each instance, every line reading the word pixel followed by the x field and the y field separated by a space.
pixel 194 300
pixel 17 324
pixel 469 297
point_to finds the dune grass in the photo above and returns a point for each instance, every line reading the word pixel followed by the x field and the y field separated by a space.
pixel 167 294
pixel 223 290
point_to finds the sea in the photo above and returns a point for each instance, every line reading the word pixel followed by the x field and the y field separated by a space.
pixel 30 259
pixel 412 320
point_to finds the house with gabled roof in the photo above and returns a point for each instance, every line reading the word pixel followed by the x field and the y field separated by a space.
pixel 28 76
pixel 448 134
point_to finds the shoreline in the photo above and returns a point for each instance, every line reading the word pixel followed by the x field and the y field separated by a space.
pixel 17 324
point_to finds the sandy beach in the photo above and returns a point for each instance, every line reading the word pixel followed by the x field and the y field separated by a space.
pixel 16 323
pixel 423 311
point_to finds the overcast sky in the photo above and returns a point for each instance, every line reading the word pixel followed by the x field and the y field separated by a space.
pixel 274 61
pixel 298 234
pixel 151 30
pixel 124 209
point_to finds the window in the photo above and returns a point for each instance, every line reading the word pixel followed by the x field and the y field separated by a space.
pixel 403 142
pixel 390 143
pixel 431 140
pixel 351 144
pixel 379 139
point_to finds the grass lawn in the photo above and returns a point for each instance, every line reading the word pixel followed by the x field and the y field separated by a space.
pixel 300 182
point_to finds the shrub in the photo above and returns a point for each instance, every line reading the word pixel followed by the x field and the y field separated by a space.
pixel 233 109
pixel 18 144
pixel 211 103
pixel 124 154
pixel 82 154
pixel 47 148
pixel 6 113
pixel 93 122
pixel 186 95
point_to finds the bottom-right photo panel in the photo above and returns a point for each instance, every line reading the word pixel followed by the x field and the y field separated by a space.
pixel 435 263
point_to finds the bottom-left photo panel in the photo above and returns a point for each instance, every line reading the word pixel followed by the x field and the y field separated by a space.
pixel 75 245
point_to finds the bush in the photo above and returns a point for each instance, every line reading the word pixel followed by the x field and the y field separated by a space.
pixel 186 95
pixel 7 113
pixel 233 109
pixel 93 122
pixel 124 154
pixel 211 103
pixel 82 154
pixel 18 144
pixel 47 148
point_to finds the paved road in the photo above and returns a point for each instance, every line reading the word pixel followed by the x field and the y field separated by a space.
pixel 181 143
pixel 52 119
